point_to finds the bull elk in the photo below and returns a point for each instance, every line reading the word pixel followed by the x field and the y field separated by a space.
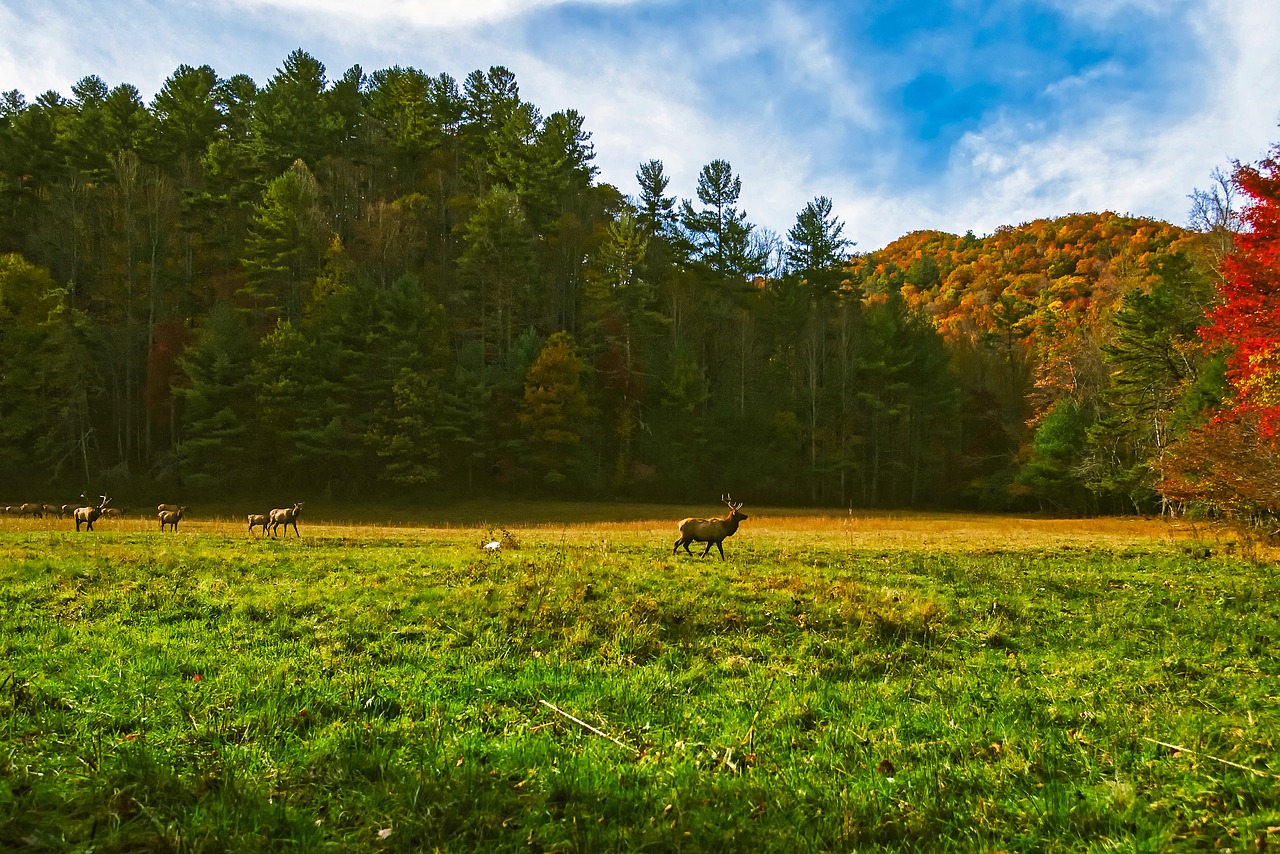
pixel 172 517
pixel 710 531
pixel 286 516
pixel 89 515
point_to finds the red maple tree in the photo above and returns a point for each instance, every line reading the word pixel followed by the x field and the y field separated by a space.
pixel 1248 320
pixel 1232 463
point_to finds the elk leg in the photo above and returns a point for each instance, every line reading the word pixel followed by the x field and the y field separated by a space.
pixel 721 548
pixel 707 549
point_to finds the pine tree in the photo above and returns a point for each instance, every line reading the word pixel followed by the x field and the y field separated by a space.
pixel 215 397
pixel 555 406
pixel 27 296
pixel 285 247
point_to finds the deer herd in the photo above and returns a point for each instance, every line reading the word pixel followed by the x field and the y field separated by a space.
pixel 169 515
pixel 712 531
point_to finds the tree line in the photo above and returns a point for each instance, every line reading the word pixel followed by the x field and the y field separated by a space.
pixel 396 281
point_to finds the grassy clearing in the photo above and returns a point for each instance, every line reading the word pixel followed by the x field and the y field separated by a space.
pixel 841 683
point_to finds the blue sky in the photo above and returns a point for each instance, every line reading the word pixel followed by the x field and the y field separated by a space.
pixel 950 114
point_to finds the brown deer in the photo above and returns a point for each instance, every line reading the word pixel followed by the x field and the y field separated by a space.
pixel 259 520
pixel 89 515
pixel 31 509
pixel 172 517
pixel 710 531
pixel 287 516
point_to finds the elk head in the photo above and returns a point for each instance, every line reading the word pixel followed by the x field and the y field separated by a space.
pixel 735 509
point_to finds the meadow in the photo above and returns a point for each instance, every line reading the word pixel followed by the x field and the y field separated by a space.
pixel 843 682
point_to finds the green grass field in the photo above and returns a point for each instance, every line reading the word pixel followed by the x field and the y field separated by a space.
pixel 840 683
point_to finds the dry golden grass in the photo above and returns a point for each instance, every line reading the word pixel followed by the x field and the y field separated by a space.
pixel 953 532
pixel 551 523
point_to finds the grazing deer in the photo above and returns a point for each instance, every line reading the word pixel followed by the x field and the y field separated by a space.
pixel 30 509
pixel 259 519
pixel 287 516
pixel 710 531
pixel 89 515
pixel 172 517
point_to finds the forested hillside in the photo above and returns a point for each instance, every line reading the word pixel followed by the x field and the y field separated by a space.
pixel 399 282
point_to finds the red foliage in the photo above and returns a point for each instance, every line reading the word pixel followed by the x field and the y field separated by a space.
pixel 1248 321
pixel 1229 463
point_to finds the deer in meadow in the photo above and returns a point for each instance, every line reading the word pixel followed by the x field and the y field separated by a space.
pixel 172 517
pixel 89 515
pixel 286 516
pixel 710 531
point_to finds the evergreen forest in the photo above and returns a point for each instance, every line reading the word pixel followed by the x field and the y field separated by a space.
pixel 393 283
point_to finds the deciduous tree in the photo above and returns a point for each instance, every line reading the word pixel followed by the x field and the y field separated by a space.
pixel 1247 321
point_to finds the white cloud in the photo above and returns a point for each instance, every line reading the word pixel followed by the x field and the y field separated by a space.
pixel 1099 13
pixel 1079 84
pixel 423 14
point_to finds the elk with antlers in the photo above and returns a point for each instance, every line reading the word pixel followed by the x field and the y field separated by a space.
pixel 710 531
pixel 89 515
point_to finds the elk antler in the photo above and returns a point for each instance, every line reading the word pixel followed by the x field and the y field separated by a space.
pixel 728 500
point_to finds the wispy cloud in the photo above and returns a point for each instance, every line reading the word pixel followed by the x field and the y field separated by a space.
pixel 420 14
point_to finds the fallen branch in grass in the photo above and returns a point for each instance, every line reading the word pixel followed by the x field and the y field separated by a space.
pixel 750 738
pixel 1182 749
pixel 589 727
